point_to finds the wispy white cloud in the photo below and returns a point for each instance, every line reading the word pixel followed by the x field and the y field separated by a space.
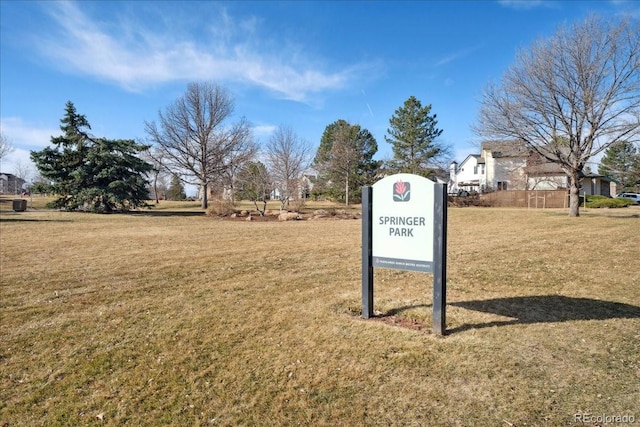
pixel 527 4
pixel 630 8
pixel 370 110
pixel 264 130
pixel 18 162
pixel 453 56
pixel 26 135
pixel 131 55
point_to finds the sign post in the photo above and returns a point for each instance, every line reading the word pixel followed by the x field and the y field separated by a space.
pixel 367 266
pixel 404 227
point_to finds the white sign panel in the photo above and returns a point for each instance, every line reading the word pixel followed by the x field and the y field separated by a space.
pixel 403 222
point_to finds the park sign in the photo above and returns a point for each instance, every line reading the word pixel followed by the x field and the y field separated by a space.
pixel 404 227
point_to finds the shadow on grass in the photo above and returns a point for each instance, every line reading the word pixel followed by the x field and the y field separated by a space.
pixel 398 310
pixel 17 219
pixel 545 309
pixel 167 213
pixel 625 215
pixel 629 212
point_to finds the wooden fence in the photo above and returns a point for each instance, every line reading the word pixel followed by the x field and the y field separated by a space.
pixel 533 199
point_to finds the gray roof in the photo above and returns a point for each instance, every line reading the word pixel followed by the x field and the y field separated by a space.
pixel 538 165
pixel 506 148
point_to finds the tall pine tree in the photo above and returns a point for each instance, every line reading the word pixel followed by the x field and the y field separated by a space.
pixel 92 174
pixel 413 135
pixel 62 164
pixel 622 162
pixel 176 189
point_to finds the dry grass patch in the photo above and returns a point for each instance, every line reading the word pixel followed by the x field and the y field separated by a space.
pixel 153 319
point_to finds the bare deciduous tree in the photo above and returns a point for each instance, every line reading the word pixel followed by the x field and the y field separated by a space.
pixel 5 146
pixel 159 175
pixel 243 153
pixel 571 96
pixel 195 142
pixel 24 171
pixel 287 156
pixel 254 184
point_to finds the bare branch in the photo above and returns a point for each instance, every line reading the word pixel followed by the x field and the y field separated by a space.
pixel 288 156
pixel 571 96
pixel 5 146
pixel 195 143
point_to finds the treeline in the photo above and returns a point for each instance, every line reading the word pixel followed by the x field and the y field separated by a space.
pixel 193 142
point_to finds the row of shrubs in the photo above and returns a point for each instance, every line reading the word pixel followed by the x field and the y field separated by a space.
pixel 595 201
pixel 224 208
pixel 466 201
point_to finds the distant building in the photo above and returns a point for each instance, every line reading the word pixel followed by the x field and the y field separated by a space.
pixel 511 165
pixel 10 184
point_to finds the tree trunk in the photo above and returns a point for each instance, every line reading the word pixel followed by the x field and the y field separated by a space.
pixel 155 187
pixel 205 202
pixel 264 207
pixel 574 194
pixel 346 192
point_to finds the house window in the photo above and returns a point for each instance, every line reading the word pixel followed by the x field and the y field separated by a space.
pixel 475 170
pixel 502 185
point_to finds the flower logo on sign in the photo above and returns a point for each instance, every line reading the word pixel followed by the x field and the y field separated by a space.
pixel 401 191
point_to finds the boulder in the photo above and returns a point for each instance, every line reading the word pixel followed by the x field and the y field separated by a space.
pixel 289 216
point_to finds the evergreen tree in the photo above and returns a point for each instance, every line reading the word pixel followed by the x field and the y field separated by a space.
pixel 413 135
pixel 115 176
pixel 60 165
pixel 345 160
pixel 622 162
pixel 176 189
pixel 95 175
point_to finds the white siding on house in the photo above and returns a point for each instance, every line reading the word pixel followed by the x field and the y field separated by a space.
pixel 509 165
pixel 470 175
pixel 547 182
pixel 505 169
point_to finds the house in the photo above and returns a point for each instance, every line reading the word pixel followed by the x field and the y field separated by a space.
pixel 305 184
pixel 505 163
pixel 593 183
pixel 511 165
pixel 469 176
pixel 11 184
pixel 499 166
pixel 544 175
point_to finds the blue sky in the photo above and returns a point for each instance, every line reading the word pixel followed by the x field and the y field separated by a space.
pixel 301 64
